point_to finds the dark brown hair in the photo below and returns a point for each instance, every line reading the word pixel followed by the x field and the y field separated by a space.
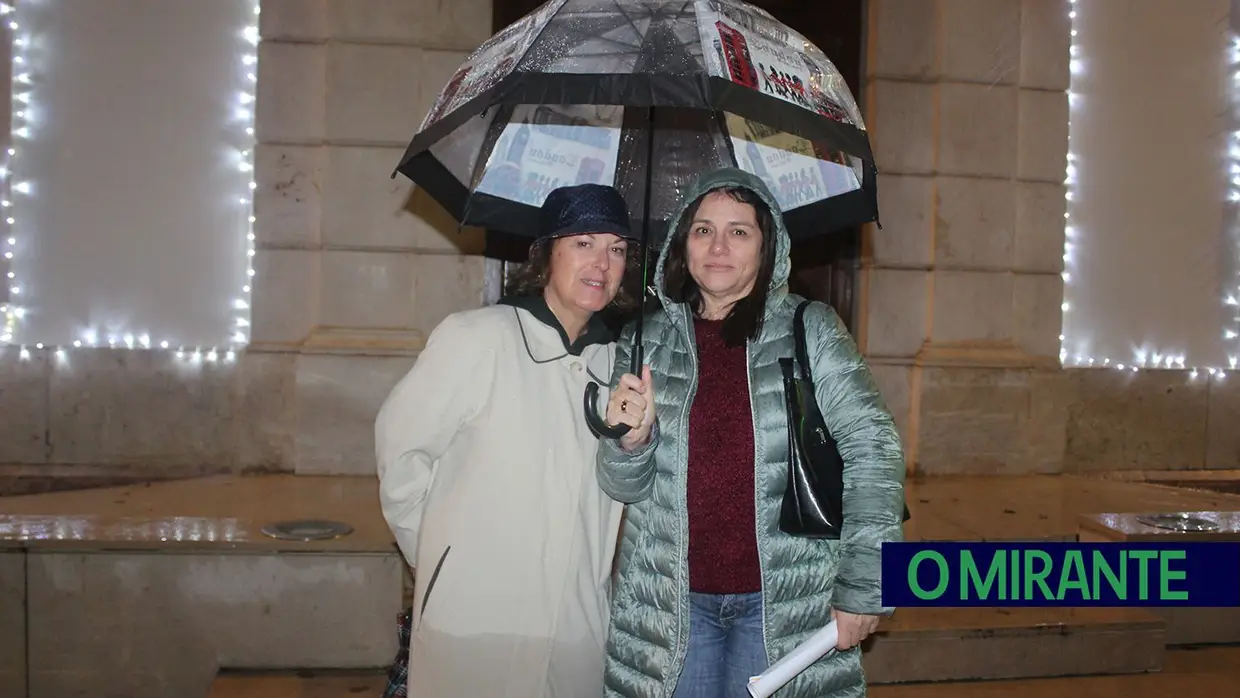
pixel 531 277
pixel 744 321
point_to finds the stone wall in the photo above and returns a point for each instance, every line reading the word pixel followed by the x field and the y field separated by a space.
pixel 961 289
pixel 1151 421
pixel 353 269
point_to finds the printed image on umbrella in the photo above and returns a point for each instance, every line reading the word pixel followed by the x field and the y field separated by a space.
pixel 644 95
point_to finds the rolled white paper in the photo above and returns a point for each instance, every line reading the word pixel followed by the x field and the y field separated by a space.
pixel 799 659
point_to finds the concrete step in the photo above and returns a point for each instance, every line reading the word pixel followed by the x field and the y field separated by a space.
pixel 151 589
pixel 156 624
pixel 1185 626
pixel 957 644
pixel 302 684
pixel 1205 671
pixel 1212 671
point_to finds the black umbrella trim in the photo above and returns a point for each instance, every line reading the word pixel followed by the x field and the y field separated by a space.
pixel 504 215
pixel 693 91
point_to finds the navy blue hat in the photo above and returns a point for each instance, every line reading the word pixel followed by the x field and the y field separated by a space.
pixel 584 208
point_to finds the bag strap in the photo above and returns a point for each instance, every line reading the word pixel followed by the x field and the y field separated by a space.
pixel 798 332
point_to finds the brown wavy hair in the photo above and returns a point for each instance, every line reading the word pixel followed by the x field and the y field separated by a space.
pixel 530 278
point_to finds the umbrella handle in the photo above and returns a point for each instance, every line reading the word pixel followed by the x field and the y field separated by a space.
pixel 597 424
pixel 600 427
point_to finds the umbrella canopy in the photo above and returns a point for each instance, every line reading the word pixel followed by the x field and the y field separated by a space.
pixel 644 95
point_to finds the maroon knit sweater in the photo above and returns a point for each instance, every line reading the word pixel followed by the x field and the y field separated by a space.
pixel 723 543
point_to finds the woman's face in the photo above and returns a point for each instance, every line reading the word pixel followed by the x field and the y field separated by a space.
pixel 724 248
pixel 586 271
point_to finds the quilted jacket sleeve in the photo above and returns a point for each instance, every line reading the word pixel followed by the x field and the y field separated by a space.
pixel 865 431
pixel 626 477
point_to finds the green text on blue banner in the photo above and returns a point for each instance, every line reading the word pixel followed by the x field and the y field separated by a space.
pixel 956 574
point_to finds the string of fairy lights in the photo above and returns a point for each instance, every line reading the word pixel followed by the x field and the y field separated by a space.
pixel 13 308
pixel 1142 359
pixel 1231 302
pixel 13 304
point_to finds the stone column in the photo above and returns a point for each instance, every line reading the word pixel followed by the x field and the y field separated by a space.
pixel 961 289
pixel 353 269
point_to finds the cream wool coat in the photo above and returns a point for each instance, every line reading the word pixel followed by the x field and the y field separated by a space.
pixel 487 479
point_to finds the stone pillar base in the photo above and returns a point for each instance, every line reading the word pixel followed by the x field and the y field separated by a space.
pixel 371 342
pixel 980 355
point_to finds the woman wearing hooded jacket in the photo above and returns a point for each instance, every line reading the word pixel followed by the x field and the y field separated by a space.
pixel 710 592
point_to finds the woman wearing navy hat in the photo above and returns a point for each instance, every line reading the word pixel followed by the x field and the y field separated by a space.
pixel 487 477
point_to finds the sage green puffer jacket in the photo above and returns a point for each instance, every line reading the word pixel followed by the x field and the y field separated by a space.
pixel 801 578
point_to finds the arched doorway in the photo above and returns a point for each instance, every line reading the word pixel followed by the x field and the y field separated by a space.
pixel 826 268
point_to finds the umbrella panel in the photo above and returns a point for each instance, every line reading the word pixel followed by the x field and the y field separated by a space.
pixel 710 54
pixel 723 38
pixel 545 147
pixel 458 151
pixel 491 62
pixel 504 162
pixel 750 47
pixel 614 37
pixel 492 160
pixel 726 39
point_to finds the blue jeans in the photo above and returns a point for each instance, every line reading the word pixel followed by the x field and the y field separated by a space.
pixel 725 646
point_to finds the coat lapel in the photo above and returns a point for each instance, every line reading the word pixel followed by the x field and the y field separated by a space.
pixel 546 340
pixel 543 342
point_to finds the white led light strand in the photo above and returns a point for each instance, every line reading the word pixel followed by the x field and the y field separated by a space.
pixel 12 310
pixel 1069 232
pixel 1142 359
pixel 10 307
pixel 1231 300
pixel 249 60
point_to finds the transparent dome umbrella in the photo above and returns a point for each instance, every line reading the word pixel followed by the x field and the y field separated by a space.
pixel 644 95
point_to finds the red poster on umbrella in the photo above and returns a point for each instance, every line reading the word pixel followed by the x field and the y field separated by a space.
pixel 768 57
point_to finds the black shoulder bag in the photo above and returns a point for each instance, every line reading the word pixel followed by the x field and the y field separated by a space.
pixel 813 505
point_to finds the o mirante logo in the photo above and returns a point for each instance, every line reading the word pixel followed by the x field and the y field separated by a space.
pixel 1067 574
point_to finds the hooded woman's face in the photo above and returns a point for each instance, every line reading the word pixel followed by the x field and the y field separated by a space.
pixel 724 249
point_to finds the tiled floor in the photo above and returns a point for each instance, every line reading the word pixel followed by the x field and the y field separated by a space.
pixel 1213 672
pixel 1037 507
pixel 214 512
pixel 309 685
pixel 230 511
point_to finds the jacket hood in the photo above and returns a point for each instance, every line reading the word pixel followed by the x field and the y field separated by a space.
pixel 731 177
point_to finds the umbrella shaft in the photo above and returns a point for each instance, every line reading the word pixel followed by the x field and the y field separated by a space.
pixel 636 365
